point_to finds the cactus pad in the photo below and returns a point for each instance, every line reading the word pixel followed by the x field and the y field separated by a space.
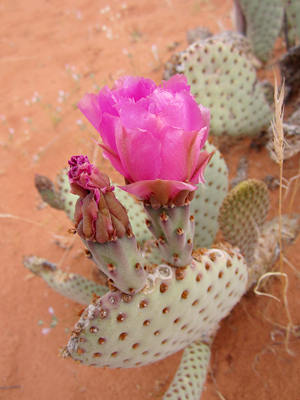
pixel 70 199
pixel 72 286
pixel 173 228
pixel 191 374
pixel 223 79
pixel 208 199
pixel 263 24
pixel 242 215
pixel 292 9
pixel 176 308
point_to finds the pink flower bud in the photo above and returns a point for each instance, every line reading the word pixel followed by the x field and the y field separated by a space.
pixel 98 214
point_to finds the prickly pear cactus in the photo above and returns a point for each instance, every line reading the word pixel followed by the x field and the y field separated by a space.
pixel 177 307
pixel 242 215
pixel 191 374
pixel 208 199
pixel 223 79
pixel 263 24
pixel 292 9
pixel 60 198
pixel 68 284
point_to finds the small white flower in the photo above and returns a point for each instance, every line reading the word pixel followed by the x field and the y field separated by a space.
pixel 51 311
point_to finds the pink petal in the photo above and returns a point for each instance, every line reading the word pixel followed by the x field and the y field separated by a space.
pixel 134 87
pixel 135 116
pixel 179 153
pixel 176 83
pixel 205 113
pixel 139 154
pixel 164 190
pixel 114 160
pixel 89 107
pixel 203 134
pixel 182 112
pixel 203 160
pixel 108 128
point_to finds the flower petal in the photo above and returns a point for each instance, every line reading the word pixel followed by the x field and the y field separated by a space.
pixel 139 154
pixel 203 160
pixel 205 113
pixel 90 107
pixel 134 87
pixel 135 116
pixel 176 83
pixel 164 190
pixel 179 153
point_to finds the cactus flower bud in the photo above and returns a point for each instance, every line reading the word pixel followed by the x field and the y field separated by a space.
pixel 153 135
pixel 98 214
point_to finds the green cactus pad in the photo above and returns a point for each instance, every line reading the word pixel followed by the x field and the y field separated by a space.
pixel 176 308
pixel 208 199
pixel 72 286
pixel 173 228
pixel 242 215
pixel 70 199
pixel 223 79
pixel 292 9
pixel 48 192
pixel 121 260
pixel 263 24
pixel 191 374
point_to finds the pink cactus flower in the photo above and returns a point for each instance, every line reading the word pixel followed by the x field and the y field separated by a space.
pixel 153 135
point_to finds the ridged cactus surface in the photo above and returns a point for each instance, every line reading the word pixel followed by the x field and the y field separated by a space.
pixel 242 215
pixel 176 308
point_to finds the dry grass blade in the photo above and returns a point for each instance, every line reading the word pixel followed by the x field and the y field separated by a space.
pixel 277 127
pixel 278 140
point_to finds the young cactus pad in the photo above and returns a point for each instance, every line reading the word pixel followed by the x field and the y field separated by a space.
pixel 176 308
pixel 60 199
pixel 263 24
pixel 242 215
pixel 72 286
pixel 191 374
pixel 223 79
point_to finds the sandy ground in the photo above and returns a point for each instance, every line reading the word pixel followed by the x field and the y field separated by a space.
pixel 52 52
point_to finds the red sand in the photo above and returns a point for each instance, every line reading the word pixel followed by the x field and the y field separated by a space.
pixel 69 46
